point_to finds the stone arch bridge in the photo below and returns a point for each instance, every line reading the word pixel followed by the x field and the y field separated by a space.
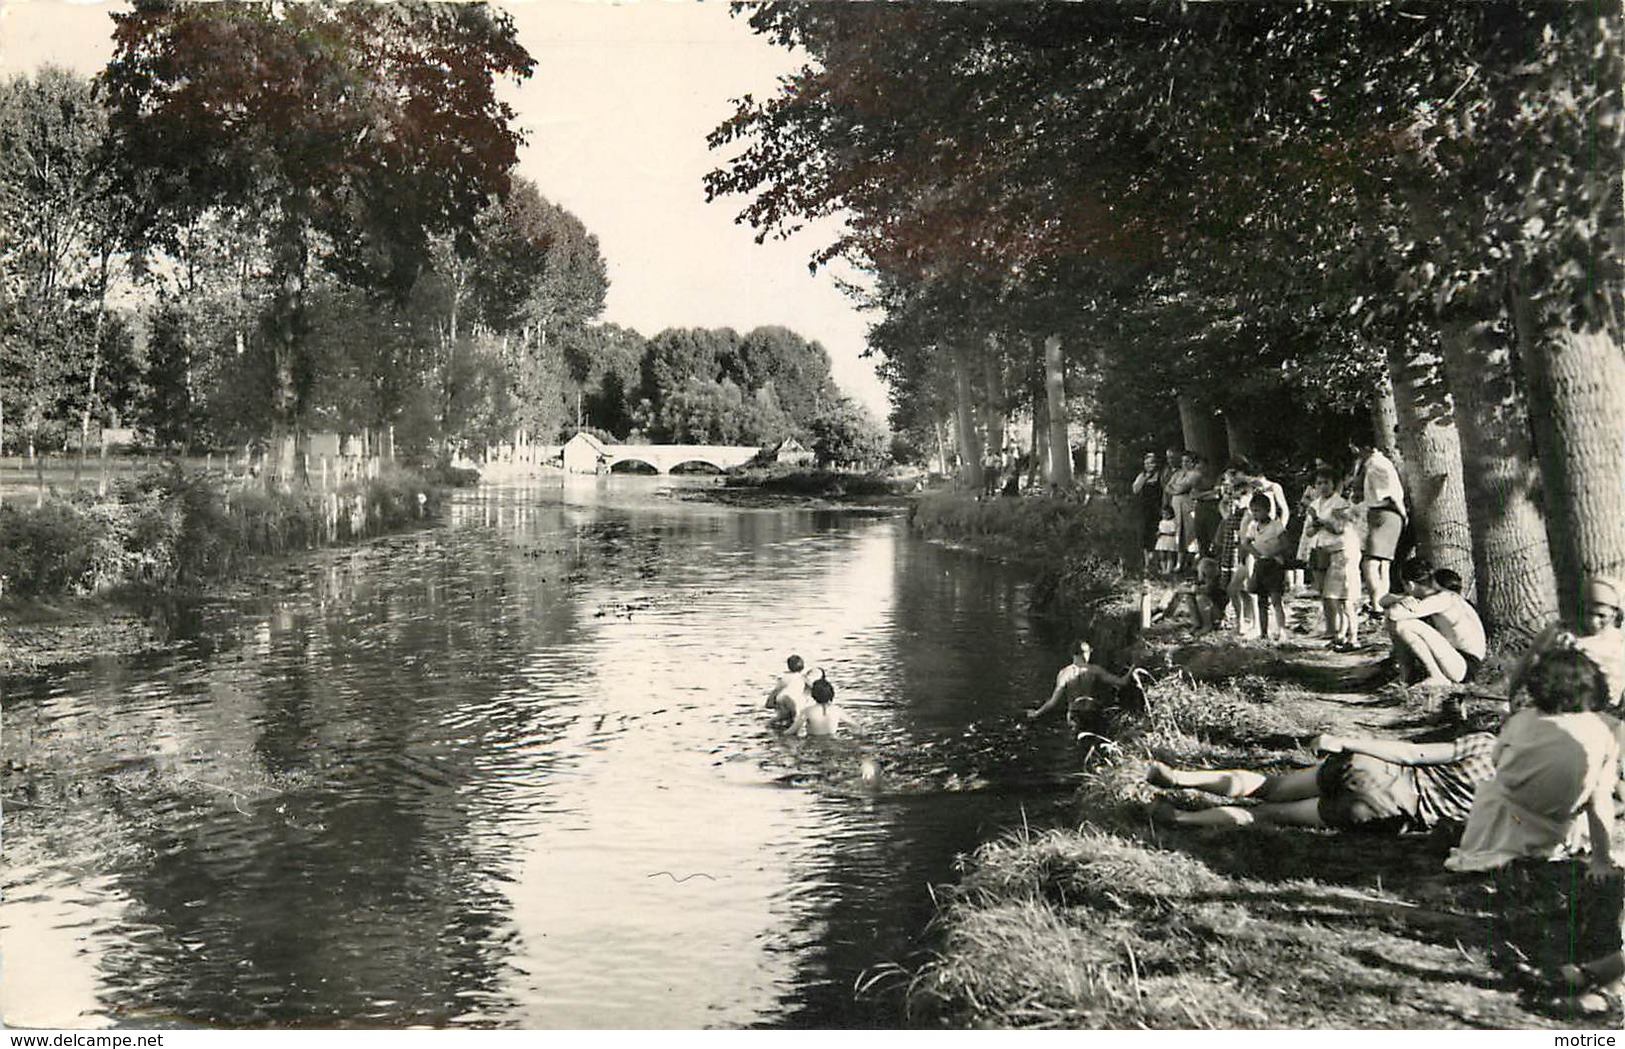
pixel 585 454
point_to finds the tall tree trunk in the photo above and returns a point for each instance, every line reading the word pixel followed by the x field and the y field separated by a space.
pixel 1199 428
pixel 290 266
pixel 1385 419
pixel 1430 450
pixel 1060 450
pixel 993 383
pixel 1516 587
pixel 970 446
pixel 1093 455
pixel 1038 462
pixel 104 260
pixel 1577 403
pixel 1238 436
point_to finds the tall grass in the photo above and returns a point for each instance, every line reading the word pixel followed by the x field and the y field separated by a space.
pixel 173 528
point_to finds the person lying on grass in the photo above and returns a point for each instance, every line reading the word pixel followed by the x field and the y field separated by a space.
pixel 1370 784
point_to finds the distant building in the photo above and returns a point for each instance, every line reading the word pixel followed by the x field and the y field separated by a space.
pixel 322 446
pixel 791 452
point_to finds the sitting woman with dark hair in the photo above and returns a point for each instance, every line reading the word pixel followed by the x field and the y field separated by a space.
pixel 821 717
pixel 1553 761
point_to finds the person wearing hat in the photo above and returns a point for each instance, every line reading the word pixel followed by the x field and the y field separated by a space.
pixel 1599 637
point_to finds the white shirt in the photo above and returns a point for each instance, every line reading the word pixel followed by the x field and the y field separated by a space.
pixel 1382 483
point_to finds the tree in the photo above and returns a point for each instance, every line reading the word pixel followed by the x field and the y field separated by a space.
pixel 797 370
pixel 58 236
pixel 350 133
pixel 845 433
pixel 613 360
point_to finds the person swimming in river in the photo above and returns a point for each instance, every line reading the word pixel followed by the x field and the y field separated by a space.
pixel 790 693
pixel 823 716
pixel 1075 686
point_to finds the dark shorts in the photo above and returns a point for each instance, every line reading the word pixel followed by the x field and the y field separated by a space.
pixel 1218 596
pixel 1357 790
pixel 1269 576
pixel 1383 539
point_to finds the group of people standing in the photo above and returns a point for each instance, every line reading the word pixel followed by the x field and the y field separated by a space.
pixel 1242 548
pixel 1542 788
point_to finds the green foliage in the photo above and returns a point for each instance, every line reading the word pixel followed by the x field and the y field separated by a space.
pixel 170 528
pixel 1242 203
pixel 58 234
pixel 844 432
pixel 48 550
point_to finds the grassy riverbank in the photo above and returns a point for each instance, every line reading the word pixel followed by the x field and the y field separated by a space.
pixel 1081 552
pixel 76 571
pixel 1113 921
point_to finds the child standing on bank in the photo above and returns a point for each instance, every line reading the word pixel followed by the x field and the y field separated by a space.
pixel 1265 549
pixel 1168 541
pixel 1340 592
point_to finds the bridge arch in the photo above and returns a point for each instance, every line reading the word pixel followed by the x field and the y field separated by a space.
pixel 686 466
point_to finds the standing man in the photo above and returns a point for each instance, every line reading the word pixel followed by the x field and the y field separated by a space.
pixel 1383 499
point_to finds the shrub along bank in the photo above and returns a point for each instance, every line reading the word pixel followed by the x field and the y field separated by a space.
pixel 174 529
pixel 1077 549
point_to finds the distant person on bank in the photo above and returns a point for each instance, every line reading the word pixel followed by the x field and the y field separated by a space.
pixel 1599 638
pixel 1383 498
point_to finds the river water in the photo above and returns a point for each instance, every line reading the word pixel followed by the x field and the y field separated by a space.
pixel 513 771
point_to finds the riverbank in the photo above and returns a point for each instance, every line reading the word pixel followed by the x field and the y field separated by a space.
pixel 1119 922
pixel 82 575
pixel 777 488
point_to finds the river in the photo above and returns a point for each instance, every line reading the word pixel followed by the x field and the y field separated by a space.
pixel 513 771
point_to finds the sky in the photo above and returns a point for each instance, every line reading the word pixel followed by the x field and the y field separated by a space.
pixel 615 118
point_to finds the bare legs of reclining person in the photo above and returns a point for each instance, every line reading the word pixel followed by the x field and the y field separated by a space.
pixel 1289 800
